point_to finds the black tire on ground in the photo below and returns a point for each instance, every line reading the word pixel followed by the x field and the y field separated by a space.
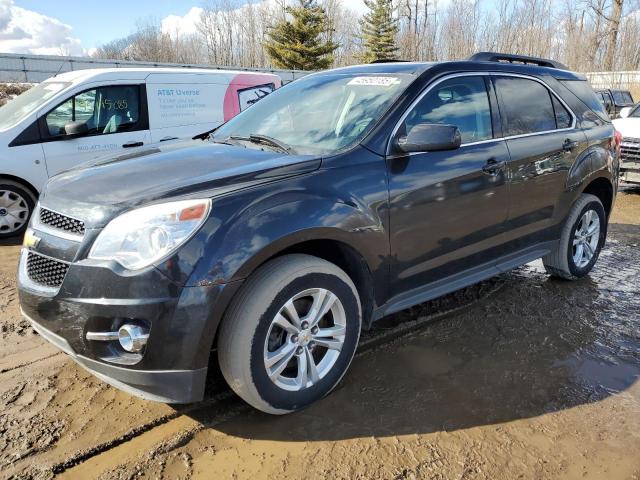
pixel 560 262
pixel 14 191
pixel 248 322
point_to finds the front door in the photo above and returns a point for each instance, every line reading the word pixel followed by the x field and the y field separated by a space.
pixel 111 119
pixel 448 208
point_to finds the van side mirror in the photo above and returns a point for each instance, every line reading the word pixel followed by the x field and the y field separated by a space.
pixel 429 137
pixel 75 129
pixel 624 113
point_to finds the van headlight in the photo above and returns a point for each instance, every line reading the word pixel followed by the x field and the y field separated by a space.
pixel 141 237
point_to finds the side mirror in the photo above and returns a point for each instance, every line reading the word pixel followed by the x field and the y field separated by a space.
pixel 624 113
pixel 75 129
pixel 430 137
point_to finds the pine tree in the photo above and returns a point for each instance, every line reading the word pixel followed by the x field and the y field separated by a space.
pixel 296 44
pixel 378 31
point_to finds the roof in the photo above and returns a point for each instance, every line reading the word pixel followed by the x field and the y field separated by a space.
pixel 140 73
pixel 418 68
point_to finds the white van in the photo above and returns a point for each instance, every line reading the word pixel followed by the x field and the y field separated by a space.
pixel 76 116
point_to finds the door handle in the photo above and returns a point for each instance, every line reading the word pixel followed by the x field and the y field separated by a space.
pixel 569 145
pixel 132 144
pixel 492 166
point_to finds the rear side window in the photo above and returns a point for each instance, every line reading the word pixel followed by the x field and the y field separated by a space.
pixel 459 101
pixel 527 107
pixel 563 117
pixel 584 92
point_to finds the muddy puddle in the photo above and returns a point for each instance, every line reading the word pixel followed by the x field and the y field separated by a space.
pixel 519 377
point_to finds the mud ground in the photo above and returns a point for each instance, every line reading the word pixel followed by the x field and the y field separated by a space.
pixel 522 376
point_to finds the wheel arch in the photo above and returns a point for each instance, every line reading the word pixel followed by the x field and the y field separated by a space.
pixel 23 182
pixel 602 188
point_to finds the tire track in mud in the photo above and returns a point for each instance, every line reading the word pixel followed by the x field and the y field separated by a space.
pixel 226 404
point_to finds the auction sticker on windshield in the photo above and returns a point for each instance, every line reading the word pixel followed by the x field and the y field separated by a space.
pixel 375 81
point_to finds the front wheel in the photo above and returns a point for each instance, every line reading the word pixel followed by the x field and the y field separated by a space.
pixel 16 206
pixel 290 334
pixel 582 238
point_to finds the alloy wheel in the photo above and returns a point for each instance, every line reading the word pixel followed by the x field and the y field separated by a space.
pixel 586 238
pixel 305 339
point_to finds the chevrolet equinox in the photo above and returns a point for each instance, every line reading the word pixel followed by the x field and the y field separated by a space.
pixel 343 197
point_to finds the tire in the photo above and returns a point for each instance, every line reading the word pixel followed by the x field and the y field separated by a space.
pixel 16 206
pixel 561 262
pixel 249 338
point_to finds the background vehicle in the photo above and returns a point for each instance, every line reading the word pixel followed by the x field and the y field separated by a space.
pixel 79 115
pixel 615 100
pixel 629 127
pixel 413 180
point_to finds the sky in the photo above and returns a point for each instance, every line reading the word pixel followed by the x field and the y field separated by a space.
pixel 76 27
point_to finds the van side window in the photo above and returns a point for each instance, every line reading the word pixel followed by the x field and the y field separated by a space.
pixel 526 106
pixel 103 110
pixel 459 101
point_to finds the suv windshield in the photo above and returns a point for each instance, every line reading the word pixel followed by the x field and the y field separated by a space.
pixel 318 114
pixel 27 102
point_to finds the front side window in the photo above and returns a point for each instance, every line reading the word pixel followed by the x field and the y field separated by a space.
pixel 459 101
pixel 319 114
pixel 529 107
pixel 103 110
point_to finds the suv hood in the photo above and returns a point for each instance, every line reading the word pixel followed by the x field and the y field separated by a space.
pixel 98 192
pixel 628 127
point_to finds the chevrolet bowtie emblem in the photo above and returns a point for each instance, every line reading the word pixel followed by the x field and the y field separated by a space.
pixel 30 239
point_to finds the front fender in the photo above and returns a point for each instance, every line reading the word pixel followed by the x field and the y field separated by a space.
pixel 247 228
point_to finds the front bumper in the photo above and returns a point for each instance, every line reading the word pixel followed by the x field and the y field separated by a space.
pixel 182 322
pixel 169 386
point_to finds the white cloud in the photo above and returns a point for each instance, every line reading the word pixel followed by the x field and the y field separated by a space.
pixel 26 31
pixel 185 25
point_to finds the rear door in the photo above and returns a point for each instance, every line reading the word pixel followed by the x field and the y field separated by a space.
pixel 116 121
pixel 543 143
pixel 448 208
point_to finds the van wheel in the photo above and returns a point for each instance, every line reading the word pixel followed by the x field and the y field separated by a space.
pixel 582 238
pixel 16 206
pixel 290 334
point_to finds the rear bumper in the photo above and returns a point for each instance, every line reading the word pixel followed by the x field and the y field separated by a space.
pixel 169 386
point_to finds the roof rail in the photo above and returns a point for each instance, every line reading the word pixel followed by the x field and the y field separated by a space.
pixel 512 58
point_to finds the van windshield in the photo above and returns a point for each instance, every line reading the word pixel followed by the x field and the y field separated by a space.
pixel 27 102
pixel 319 114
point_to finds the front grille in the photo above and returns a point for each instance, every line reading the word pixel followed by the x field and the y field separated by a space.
pixel 630 149
pixel 61 222
pixel 45 271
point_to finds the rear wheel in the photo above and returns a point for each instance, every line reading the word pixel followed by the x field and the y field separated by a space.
pixel 16 206
pixel 582 238
pixel 290 334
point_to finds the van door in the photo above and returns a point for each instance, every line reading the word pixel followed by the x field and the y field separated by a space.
pixel 101 121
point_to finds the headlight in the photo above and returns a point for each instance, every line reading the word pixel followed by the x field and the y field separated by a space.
pixel 138 238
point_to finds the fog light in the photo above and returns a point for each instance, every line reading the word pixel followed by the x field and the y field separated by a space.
pixel 132 338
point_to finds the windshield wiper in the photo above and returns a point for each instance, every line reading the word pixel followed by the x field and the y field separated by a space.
pixel 264 140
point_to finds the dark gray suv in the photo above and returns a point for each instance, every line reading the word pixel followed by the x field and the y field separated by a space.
pixel 343 197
